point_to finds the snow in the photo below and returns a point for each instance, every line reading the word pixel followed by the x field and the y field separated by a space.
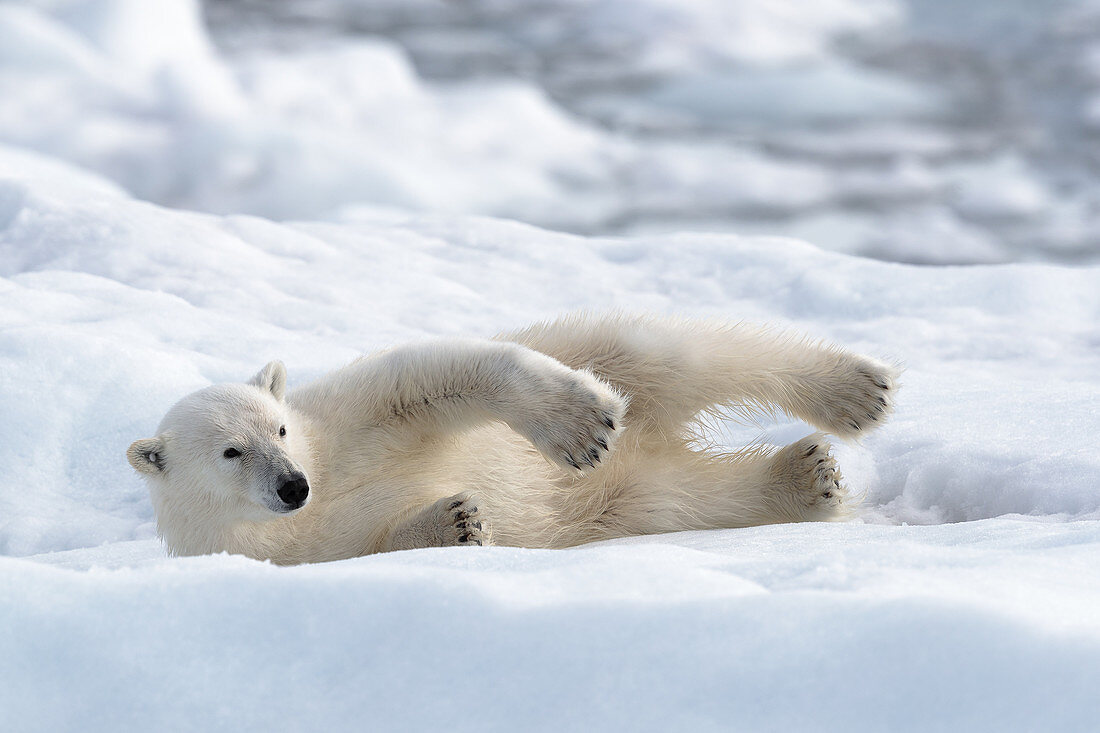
pixel 112 308
pixel 833 627
pixel 175 214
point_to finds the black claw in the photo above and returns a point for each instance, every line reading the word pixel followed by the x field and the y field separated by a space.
pixel 881 385
pixel 810 451
pixel 588 460
pixel 828 495
pixel 854 426
pixel 571 462
pixel 594 455
pixel 459 516
pixel 455 505
pixel 882 400
pixel 602 443
pixel 608 422
pixel 478 543
pixel 820 461
pixel 460 525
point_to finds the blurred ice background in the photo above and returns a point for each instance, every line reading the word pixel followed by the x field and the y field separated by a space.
pixel 923 131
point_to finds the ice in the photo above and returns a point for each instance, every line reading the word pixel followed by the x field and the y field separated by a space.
pixel 1002 191
pixel 585 38
pixel 592 117
pixel 820 93
pixel 849 90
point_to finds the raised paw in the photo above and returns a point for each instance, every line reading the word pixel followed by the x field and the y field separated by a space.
pixel 856 398
pixel 577 425
pixel 807 485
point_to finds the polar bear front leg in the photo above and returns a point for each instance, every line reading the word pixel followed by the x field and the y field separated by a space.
pixel 573 418
pixel 453 521
pixel 442 387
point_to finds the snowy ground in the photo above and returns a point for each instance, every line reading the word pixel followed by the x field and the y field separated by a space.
pixel 828 627
pixel 963 597
pixel 112 308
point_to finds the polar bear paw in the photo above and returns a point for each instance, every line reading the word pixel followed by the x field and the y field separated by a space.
pixel 577 423
pixel 807 481
pixel 454 521
pixel 465 524
pixel 856 398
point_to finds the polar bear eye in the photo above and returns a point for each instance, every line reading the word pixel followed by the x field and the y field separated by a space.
pixel 231 453
pixel 282 431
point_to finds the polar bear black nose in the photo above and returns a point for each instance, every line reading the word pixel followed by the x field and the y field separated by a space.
pixel 293 489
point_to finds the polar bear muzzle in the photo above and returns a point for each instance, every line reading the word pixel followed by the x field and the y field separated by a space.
pixel 293 490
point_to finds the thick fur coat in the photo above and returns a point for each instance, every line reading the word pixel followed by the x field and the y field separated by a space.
pixel 567 432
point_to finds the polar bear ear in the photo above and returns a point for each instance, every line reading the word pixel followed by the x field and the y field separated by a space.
pixel 272 378
pixel 146 455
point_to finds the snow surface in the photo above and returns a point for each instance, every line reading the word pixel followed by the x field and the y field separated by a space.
pixel 112 308
pixel 831 627
pixel 963 597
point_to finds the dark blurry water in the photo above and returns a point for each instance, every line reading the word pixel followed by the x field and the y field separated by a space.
pixel 965 132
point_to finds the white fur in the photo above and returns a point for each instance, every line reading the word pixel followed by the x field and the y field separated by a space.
pixel 567 432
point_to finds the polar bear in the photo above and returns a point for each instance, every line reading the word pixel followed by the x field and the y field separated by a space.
pixel 581 429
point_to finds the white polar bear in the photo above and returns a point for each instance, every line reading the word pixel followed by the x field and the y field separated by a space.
pixel 567 432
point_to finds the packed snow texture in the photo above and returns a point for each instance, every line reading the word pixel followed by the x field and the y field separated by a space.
pixel 839 627
pixel 962 597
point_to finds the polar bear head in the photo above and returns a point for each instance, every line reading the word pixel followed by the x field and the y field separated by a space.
pixel 225 454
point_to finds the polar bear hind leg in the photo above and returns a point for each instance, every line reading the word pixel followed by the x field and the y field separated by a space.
pixel 673 369
pixel 680 490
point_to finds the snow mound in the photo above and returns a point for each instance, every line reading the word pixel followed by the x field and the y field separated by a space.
pixel 832 627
